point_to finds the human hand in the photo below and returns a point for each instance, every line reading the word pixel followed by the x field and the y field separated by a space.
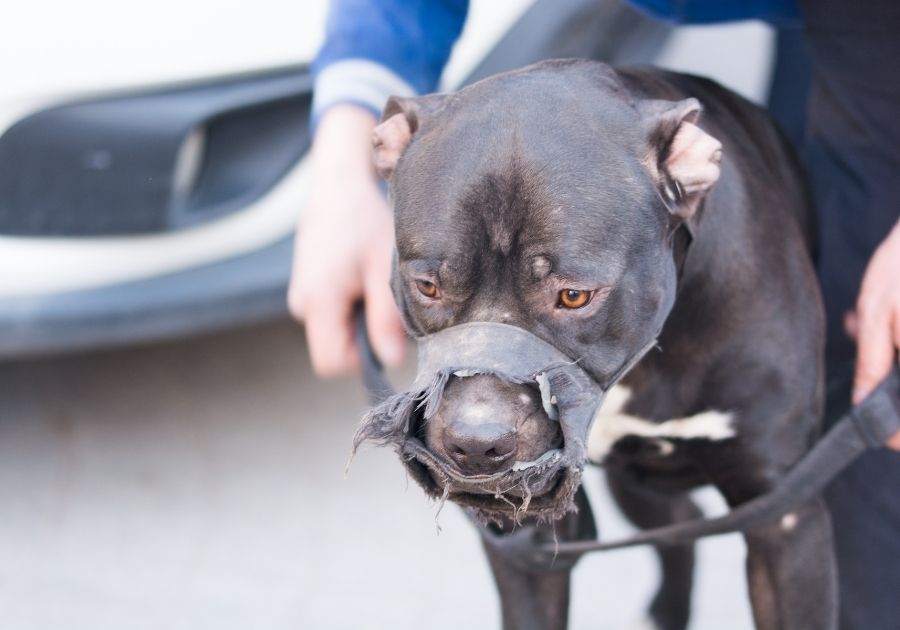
pixel 876 322
pixel 342 252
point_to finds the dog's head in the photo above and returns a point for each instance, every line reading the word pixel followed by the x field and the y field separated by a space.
pixel 547 199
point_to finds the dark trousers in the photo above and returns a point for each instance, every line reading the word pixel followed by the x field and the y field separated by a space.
pixel 851 144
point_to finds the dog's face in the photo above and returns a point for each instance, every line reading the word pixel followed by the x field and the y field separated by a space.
pixel 545 199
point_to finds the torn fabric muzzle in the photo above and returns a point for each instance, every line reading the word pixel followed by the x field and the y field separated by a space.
pixel 545 487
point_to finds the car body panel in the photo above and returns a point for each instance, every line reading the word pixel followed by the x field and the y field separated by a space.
pixel 133 279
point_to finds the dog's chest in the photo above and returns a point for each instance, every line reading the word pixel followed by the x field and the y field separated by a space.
pixel 617 428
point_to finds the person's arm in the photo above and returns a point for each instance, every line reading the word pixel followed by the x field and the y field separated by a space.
pixel 343 247
pixel 373 49
pixel 876 322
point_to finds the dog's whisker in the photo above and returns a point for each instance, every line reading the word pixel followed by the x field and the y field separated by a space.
pixel 441 503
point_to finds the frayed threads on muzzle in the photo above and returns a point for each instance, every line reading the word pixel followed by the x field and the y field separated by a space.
pixel 511 492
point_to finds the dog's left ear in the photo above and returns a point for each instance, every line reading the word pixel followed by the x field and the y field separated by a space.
pixel 683 158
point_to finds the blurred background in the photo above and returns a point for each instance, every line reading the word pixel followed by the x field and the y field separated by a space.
pixel 167 457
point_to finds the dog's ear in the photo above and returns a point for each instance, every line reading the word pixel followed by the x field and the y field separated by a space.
pixel 401 119
pixel 683 158
pixel 399 122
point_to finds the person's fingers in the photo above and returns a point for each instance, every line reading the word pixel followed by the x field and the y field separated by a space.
pixel 875 347
pixel 851 324
pixel 382 317
pixel 329 333
pixel 295 297
pixel 295 302
pixel 895 318
pixel 894 441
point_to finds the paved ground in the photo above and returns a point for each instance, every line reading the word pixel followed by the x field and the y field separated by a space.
pixel 201 485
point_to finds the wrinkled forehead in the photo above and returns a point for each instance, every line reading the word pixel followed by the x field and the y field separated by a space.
pixel 521 190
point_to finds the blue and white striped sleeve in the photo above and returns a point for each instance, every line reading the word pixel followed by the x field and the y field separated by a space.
pixel 379 48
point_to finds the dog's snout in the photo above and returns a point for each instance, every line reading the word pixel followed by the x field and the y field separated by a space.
pixel 484 424
pixel 480 448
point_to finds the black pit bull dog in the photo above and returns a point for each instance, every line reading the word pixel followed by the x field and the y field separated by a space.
pixel 588 205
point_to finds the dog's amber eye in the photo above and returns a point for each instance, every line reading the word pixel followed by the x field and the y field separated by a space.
pixel 427 288
pixel 573 298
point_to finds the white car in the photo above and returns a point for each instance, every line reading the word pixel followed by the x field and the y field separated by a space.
pixel 152 159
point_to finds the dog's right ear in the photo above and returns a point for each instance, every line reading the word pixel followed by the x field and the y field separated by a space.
pixel 401 119
pixel 399 122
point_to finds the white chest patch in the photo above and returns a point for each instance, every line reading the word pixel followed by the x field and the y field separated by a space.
pixel 611 424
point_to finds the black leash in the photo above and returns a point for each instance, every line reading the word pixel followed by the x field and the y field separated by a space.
pixel 378 388
pixel 867 425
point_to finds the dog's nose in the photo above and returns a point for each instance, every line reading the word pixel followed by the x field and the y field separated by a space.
pixel 482 448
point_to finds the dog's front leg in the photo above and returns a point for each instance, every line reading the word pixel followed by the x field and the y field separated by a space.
pixel 532 599
pixel 791 573
pixel 791 570
pixel 646 508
